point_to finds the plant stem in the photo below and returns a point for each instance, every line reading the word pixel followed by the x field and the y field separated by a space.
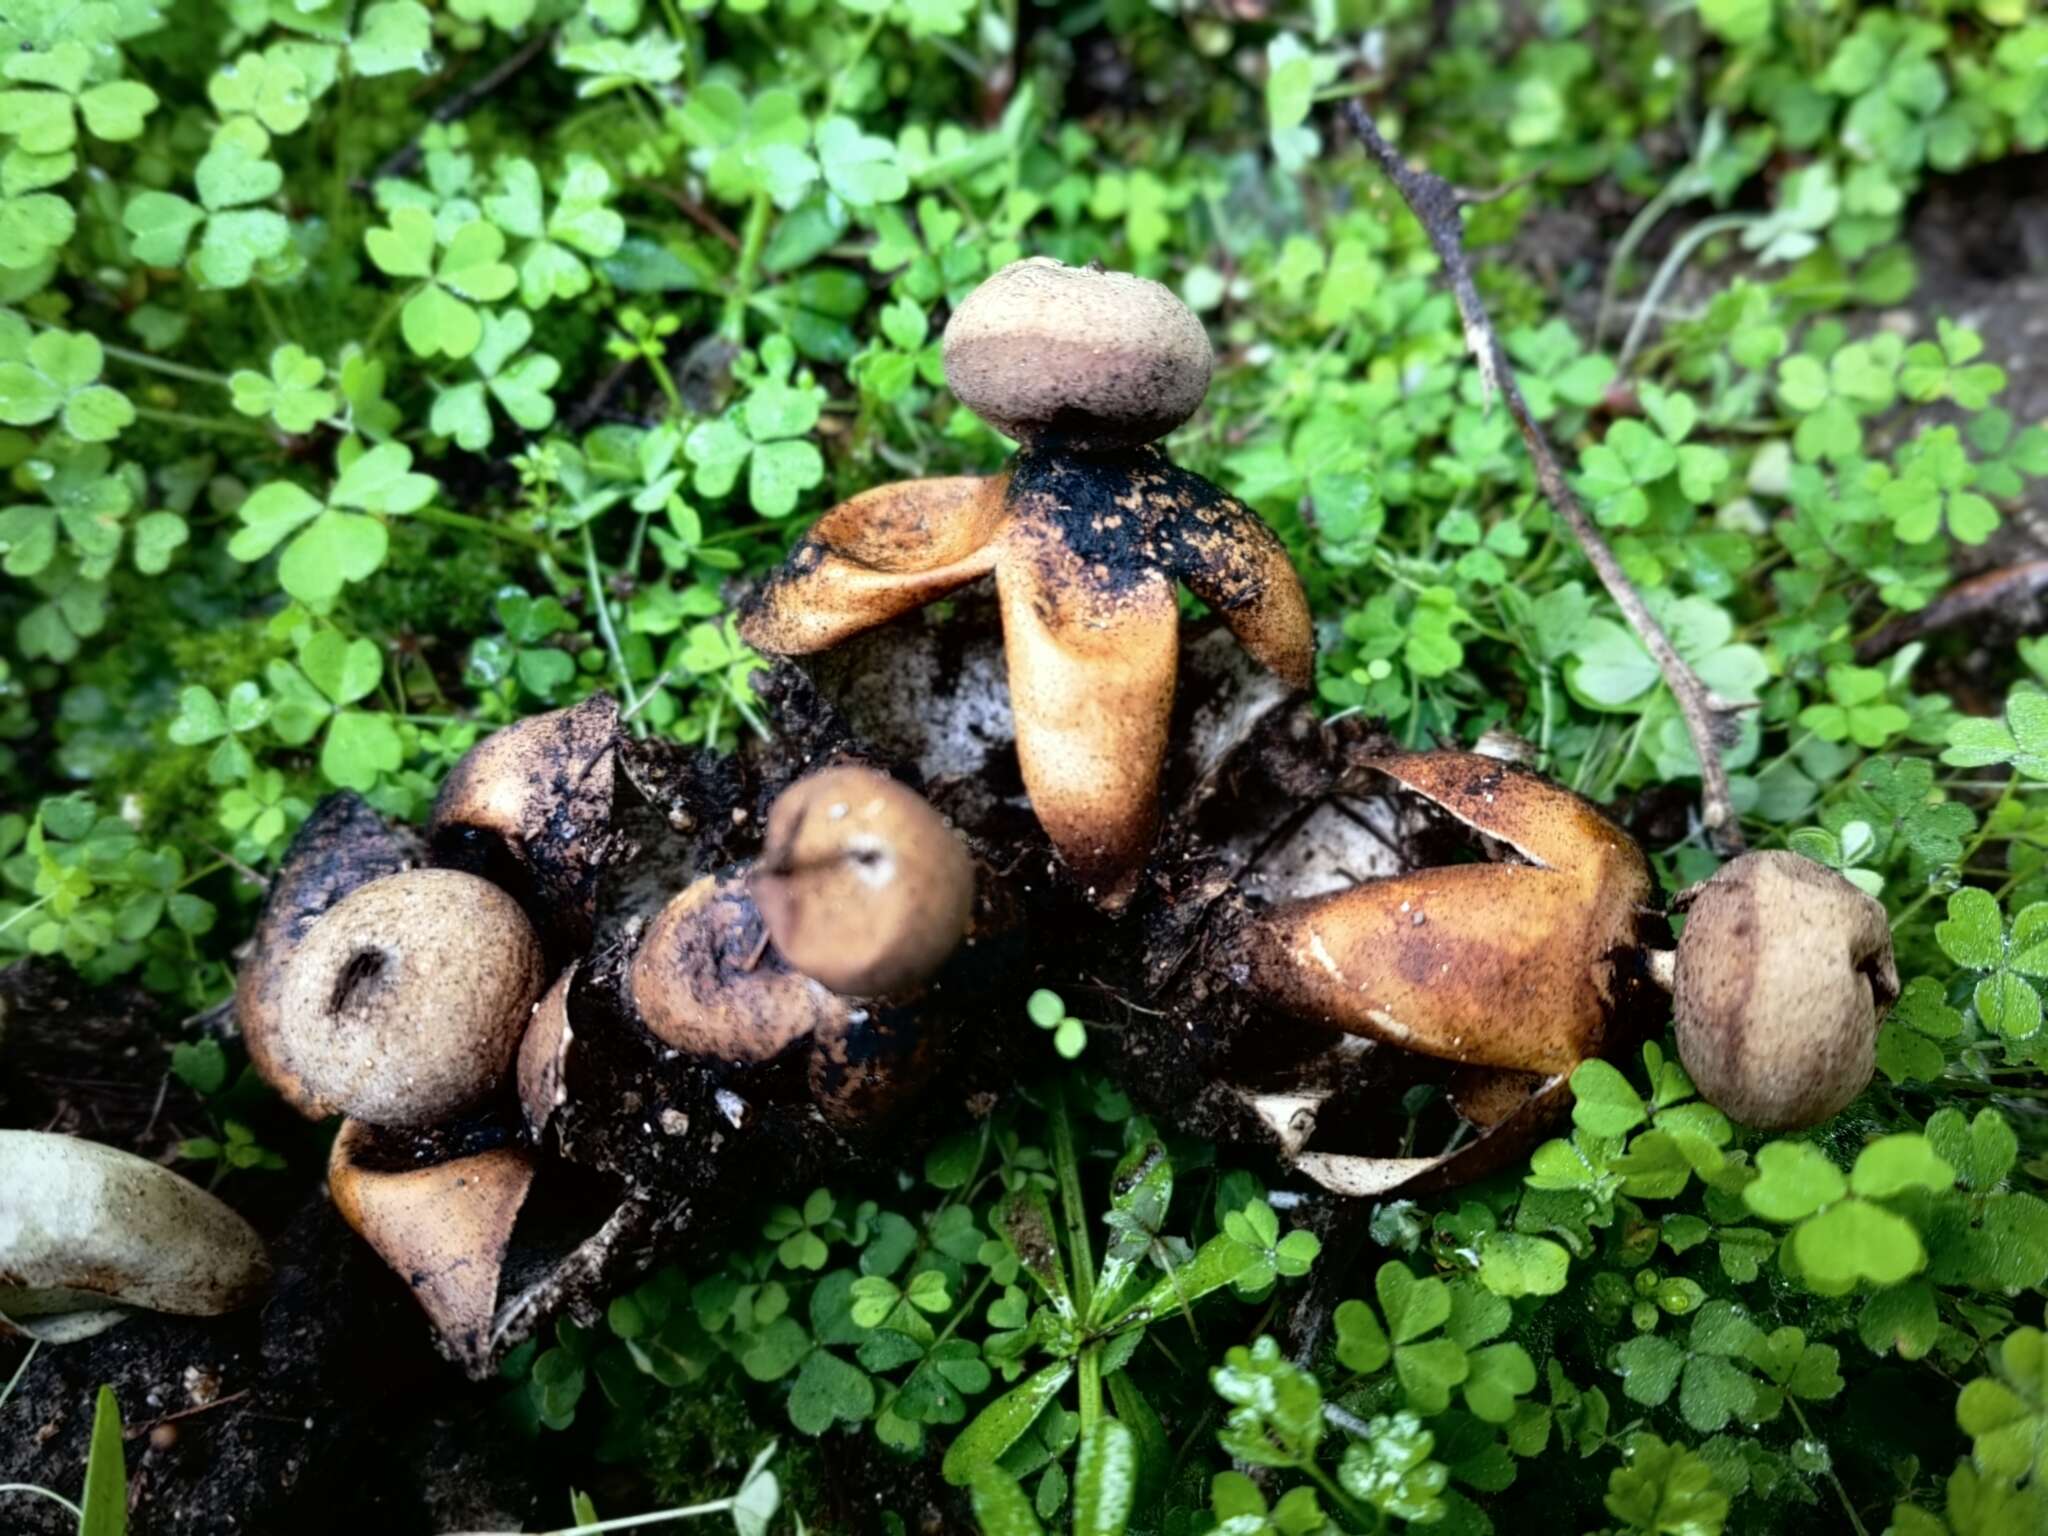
pixel 201 423
pixel 441 517
pixel 594 575
pixel 76 1512
pixel 1080 1253
pixel 631 1522
pixel 20 1371
pixel 165 366
pixel 1667 274
pixel 733 327
pixel 1841 1493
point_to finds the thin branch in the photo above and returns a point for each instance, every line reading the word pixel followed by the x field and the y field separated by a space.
pixel 1709 720
pixel 2012 593
pixel 462 103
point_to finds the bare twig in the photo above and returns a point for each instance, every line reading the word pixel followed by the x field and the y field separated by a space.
pixel 462 103
pixel 136 1431
pixel 2012 593
pixel 1709 720
pixel 696 213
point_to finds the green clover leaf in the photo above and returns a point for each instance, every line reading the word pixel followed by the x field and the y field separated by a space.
pixel 2021 739
pixel 55 374
pixel 1974 935
pixel 549 265
pixel 519 383
pixel 1858 711
pixel 1943 369
pixel 393 35
pixel 1665 1490
pixel 860 167
pixel 330 544
pixel 267 87
pixel 765 435
pixel 236 236
pixel 291 394
pixel 45 121
pixel 1909 1045
pixel 2006 1414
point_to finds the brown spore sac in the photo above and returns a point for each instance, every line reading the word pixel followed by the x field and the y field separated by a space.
pixel 1783 975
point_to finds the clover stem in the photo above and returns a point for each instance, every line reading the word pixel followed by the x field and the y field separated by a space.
pixel 1849 1509
pixel 1653 296
pixel 201 423
pixel 398 302
pixel 441 517
pixel 752 236
pixel 166 367
pixel 595 577
pixel 1080 1253
pixel 263 308
pixel 845 71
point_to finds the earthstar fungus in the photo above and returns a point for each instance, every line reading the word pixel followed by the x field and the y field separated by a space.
pixel 860 895
pixel 1087 533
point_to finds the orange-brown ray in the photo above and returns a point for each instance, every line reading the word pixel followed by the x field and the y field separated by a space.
pixel 1543 822
pixel 1486 964
pixel 1232 561
pixel 876 557
pixel 1092 657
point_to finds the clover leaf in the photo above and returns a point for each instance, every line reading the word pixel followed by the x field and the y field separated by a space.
pixel 518 382
pixel 747 147
pixel 314 696
pixel 54 375
pixel 236 236
pixel 549 265
pixel 1610 669
pixel 764 434
pixel 1943 369
pixel 440 315
pixel 1665 1490
pixel 291 394
pixel 330 543
pixel 860 167
pixel 1975 935
pixel 390 36
pixel 1391 1470
pixel 1857 710
pixel 204 717
pixel 1932 486
pixel 86 501
pixel 2021 739
pixel 268 87
pixel 44 117
pixel 1709 1372
pixel 1910 1043
pixel 1832 387
pixel 2006 1413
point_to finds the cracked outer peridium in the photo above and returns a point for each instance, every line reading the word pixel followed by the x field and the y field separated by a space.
pixel 1086 549
pixel 1509 965
pixel 443 1229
